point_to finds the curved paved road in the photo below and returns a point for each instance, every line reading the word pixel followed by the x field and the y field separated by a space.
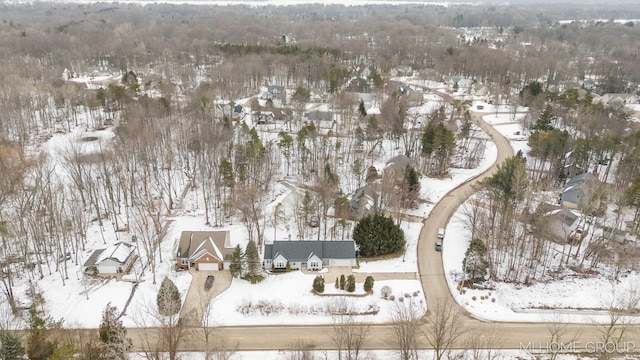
pixel 430 265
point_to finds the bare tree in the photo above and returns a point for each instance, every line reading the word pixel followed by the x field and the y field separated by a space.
pixel 445 328
pixel 620 303
pixel 405 320
pixel 558 333
pixel 348 335
pixel 163 335
pixel 298 350
pixel 481 344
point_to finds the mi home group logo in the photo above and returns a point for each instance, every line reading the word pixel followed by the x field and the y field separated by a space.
pixel 598 347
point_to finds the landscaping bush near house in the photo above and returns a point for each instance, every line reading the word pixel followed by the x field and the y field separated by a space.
pixel 350 285
pixel 385 291
pixel 368 284
pixel 318 284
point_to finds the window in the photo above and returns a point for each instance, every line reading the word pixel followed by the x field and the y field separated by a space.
pixel 184 262
pixel 280 264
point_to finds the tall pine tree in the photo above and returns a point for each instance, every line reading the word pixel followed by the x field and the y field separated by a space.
pixel 475 264
pixel 235 268
pixel 253 262
pixel 168 298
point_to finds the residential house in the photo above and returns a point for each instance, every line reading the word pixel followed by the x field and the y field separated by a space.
pixel 238 112
pixel 396 167
pixel 319 116
pixel 619 100
pixel 272 92
pixel 204 250
pixel 560 225
pixel 462 82
pixel 310 255
pixel 579 190
pixel 115 259
pixel 362 202
pixel 358 85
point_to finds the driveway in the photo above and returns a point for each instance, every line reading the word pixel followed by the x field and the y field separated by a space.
pixel 198 299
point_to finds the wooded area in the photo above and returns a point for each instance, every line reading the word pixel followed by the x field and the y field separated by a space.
pixel 181 71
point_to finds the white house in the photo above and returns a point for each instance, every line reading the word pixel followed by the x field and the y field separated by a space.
pixel 115 259
pixel 310 255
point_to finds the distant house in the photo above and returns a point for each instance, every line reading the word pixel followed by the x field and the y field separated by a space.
pixel 115 259
pixel 238 112
pixel 204 250
pixel 396 166
pixel 579 190
pixel 452 80
pixel 560 224
pixel 358 85
pixel 272 92
pixel 319 116
pixel 310 255
pixel 361 203
pixel 617 99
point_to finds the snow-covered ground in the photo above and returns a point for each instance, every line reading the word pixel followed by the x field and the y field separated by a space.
pixel 571 299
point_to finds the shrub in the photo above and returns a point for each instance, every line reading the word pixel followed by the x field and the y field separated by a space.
pixel 342 282
pixel 337 283
pixel 385 291
pixel 318 284
pixel 350 286
pixel 368 283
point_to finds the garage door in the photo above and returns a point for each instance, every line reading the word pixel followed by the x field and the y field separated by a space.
pixel 208 266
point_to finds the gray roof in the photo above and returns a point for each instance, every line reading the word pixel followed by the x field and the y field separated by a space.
pixel 580 188
pixel 587 178
pixel 400 161
pixel 299 250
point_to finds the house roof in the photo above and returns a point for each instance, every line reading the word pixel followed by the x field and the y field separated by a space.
pixel 584 178
pixel 194 244
pixel 299 250
pixel 364 198
pixel 400 161
pixel 118 252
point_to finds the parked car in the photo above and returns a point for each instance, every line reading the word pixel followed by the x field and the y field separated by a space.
pixel 438 245
pixel 440 233
pixel 209 282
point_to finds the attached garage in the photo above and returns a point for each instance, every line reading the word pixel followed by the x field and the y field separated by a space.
pixel 204 266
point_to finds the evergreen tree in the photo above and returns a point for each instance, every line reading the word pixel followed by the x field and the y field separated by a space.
pixel 342 282
pixel 318 284
pixel 11 348
pixel 475 262
pixel 168 298
pixel 235 268
pixel 350 285
pixel 377 234
pixel 368 283
pixel 410 186
pixel 252 260
pixel 337 283
pixel 38 346
pixel 113 334
pixel 361 109
pixel 545 120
